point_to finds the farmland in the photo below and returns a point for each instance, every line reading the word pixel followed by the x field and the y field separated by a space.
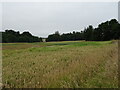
pixel 67 64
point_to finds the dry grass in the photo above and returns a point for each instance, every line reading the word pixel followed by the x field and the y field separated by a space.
pixel 62 66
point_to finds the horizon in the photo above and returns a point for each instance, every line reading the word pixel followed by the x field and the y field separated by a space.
pixel 55 31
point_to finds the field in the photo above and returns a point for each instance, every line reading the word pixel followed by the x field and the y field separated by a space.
pixel 69 64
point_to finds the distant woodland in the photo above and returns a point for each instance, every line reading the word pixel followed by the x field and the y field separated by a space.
pixel 105 31
pixel 10 36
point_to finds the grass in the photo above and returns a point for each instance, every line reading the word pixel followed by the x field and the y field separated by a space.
pixel 68 64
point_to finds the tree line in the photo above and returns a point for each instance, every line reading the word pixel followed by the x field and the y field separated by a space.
pixel 10 36
pixel 105 31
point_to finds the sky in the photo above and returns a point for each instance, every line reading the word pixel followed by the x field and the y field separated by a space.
pixel 44 18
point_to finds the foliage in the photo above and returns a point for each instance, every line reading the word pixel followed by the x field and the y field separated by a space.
pixel 12 36
pixel 105 31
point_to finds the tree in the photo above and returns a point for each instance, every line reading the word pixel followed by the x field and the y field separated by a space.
pixel 54 37
pixel 89 33
pixel 13 36
pixel 105 31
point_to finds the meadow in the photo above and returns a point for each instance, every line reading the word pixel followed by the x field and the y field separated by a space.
pixel 67 64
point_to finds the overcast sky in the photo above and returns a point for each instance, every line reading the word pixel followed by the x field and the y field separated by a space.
pixel 44 18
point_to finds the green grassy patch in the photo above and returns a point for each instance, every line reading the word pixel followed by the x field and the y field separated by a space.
pixel 68 64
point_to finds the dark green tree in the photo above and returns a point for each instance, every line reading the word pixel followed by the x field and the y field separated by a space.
pixel 10 36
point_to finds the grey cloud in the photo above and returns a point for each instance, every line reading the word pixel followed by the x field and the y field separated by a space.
pixel 42 19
